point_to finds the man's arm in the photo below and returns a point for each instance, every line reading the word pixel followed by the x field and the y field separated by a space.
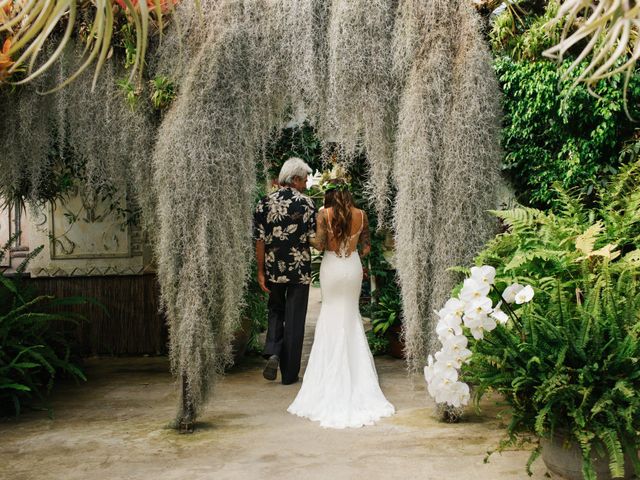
pixel 262 281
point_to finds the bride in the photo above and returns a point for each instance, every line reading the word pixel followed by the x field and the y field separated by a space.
pixel 340 386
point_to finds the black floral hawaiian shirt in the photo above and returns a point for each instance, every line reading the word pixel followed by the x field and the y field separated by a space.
pixel 285 220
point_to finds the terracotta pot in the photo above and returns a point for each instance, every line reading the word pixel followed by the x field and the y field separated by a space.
pixel 396 344
pixel 564 460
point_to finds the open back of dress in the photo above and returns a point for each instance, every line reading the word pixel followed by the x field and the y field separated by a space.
pixel 350 245
pixel 340 386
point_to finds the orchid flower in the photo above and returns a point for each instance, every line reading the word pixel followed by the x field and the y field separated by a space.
pixel 454 306
pixel 450 326
pixel 524 295
pixel 475 311
pixel 509 294
pixel 498 315
pixel 478 306
pixel 478 324
pixel 472 289
pixel 484 275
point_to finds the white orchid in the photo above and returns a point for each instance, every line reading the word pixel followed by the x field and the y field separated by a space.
pixel 428 370
pixel 524 295
pixel 443 375
pixel 475 311
pixel 478 306
pixel 484 275
pixel 456 343
pixel 452 354
pixel 509 294
pixel 478 324
pixel 472 289
pixel 454 306
pixel 441 382
pixel 456 394
pixel 450 326
pixel 498 315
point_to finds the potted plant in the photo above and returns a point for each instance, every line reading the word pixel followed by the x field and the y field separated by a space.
pixel 553 325
pixel 386 317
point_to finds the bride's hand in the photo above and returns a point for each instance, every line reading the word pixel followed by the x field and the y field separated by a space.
pixel 365 273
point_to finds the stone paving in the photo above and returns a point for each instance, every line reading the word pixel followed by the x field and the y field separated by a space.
pixel 114 427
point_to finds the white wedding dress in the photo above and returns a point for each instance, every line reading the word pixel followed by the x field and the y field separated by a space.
pixel 340 386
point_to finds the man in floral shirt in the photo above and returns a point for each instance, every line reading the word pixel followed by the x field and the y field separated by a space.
pixel 283 223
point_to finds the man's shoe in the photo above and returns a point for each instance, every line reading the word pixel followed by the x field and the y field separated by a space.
pixel 271 368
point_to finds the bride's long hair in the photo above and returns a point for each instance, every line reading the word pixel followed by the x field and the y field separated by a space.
pixel 339 198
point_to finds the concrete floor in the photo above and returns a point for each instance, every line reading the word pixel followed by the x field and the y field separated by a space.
pixel 114 427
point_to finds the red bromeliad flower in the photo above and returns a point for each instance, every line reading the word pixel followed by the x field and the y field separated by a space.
pixel 5 60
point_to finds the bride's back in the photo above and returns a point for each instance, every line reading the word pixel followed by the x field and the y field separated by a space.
pixel 351 235
pixel 341 226
pixel 344 240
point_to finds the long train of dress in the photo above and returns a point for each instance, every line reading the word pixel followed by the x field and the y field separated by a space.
pixel 340 386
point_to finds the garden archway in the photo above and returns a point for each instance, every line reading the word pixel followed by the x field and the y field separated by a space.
pixel 409 82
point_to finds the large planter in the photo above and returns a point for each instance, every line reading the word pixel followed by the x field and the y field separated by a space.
pixel 563 458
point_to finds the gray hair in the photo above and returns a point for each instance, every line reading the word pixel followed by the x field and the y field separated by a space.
pixel 293 167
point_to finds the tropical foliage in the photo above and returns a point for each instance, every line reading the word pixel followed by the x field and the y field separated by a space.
pixel 566 361
pixel 557 133
pixel 599 37
pixel 558 129
pixel 27 27
pixel 569 366
pixel 613 45
pixel 545 244
pixel 35 345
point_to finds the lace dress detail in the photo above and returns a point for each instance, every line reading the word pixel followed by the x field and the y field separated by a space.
pixel 345 249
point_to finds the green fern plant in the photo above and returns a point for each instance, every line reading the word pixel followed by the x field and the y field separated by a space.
pixel 34 346
pixel 539 244
pixel 568 362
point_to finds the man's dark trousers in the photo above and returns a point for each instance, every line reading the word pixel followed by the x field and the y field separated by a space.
pixel 285 331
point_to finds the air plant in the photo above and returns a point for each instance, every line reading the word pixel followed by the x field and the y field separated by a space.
pixel 409 83
pixel 611 30
pixel 30 24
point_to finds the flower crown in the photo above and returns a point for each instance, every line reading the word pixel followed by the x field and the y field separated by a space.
pixel 340 187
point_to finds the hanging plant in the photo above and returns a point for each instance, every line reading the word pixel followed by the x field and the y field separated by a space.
pixel 387 79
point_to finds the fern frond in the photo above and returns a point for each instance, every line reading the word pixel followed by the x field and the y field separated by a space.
pixel 611 441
